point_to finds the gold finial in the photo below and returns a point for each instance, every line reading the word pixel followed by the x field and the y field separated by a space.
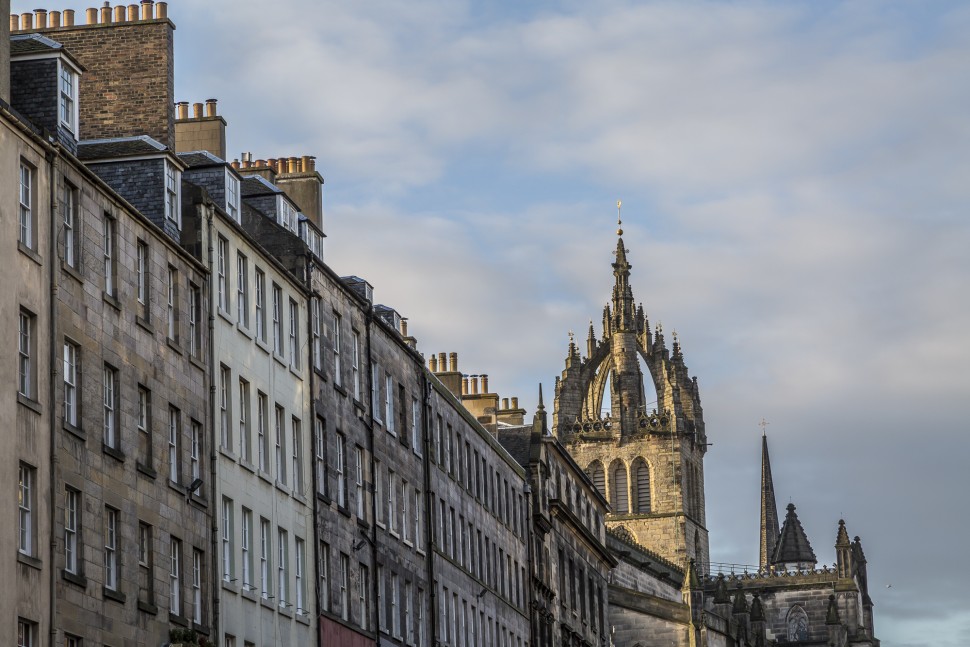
pixel 763 424
pixel 572 337
pixel 619 223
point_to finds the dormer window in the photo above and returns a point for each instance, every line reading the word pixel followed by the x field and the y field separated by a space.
pixel 232 196
pixel 287 214
pixel 68 97
pixel 172 191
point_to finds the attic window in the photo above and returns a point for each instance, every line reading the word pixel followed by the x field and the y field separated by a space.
pixel 287 214
pixel 232 195
pixel 172 188
pixel 68 97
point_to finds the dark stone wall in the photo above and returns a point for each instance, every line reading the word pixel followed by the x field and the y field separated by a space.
pixel 33 91
pixel 142 183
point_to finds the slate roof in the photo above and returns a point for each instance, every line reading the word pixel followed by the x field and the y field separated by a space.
pixel 517 441
pixel 24 44
pixel 200 159
pixel 29 44
pixel 793 544
pixel 256 185
pixel 95 149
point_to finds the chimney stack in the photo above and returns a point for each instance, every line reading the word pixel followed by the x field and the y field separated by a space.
pixel 203 132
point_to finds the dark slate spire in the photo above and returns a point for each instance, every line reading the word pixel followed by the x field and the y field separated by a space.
pixel 769 510
pixel 793 546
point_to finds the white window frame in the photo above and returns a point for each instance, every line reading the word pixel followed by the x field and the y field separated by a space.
pixel 232 196
pixel 260 287
pixel 195 450
pixel 174 427
pixel 316 343
pixel 225 429
pixel 262 420
pixel 359 480
pixel 296 454
pixel 110 548
pixel 300 590
pixel 245 441
pixel 108 240
pixel 246 547
pixel 25 503
pixel 340 469
pixel 25 354
pixel 171 320
pixel 72 530
pixel 110 402
pixel 173 193
pixel 242 290
pixel 227 534
pixel 67 91
pixel 337 369
pixel 71 384
pixel 279 424
pixel 282 569
pixel 70 220
pixel 355 367
pixel 277 319
pixel 266 588
pixel 197 586
pixel 389 403
pixel 294 314
pixel 222 283
pixel 174 577
pixel 26 205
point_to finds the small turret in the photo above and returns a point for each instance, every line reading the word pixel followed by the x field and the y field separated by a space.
pixel 590 340
pixel 843 552
pixel 793 549
pixel 742 615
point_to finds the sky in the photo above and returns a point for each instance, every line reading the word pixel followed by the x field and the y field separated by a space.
pixel 795 179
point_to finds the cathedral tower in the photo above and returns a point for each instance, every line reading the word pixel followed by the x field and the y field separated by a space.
pixel 645 454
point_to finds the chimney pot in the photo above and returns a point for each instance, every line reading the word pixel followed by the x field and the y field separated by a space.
pixel 474 385
pixel 464 385
pixel 281 165
pixel 91 16
pixel 484 383
pixel 161 10
pixel 15 22
pixel 106 14
pixel 26 21
pixel 433 364
pixel 271 162
pixel 235 164
pixel 442 362
pixel 305 163
pixel 260 163
pixel 147 10
pixel 293 165
pixel 183 110
pixel 197 111
pixel 120 13
pixel 210 107
pixel 54 19
pixel 515 403
pixel 132 12
pixel 454 362
pixel 68 17
pixel 404 327
pixel 41 15
pixel 505 403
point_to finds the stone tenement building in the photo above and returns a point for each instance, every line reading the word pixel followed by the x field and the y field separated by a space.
pixel 278 463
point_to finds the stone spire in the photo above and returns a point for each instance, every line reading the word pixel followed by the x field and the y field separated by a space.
pixel 793 547
pixel 769 510
pixel 539 420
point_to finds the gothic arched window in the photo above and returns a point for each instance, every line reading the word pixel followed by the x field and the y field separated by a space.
pixel 797 624
pixel 597 476
pixel 619 488
pixel 641 486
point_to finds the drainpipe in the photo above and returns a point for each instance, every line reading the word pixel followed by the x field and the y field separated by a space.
pixel 373 471
pixel 213 453
pixel 54 276
pixel 428 506
pixel 314 485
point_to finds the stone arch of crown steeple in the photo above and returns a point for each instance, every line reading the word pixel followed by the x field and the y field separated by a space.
pixel 599 367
